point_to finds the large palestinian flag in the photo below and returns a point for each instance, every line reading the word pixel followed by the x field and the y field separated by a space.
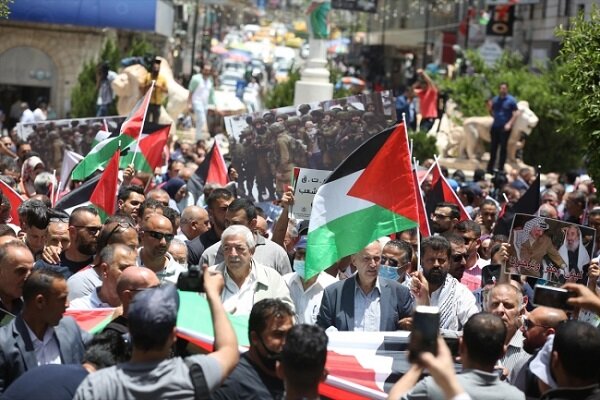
pixel 361 365
pixel 104 196
pixel 370 195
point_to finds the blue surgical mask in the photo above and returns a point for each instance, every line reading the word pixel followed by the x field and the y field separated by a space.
pixel 388 272
pixel 299 268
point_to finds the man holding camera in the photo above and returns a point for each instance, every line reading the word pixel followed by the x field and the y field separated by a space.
pixel 151 373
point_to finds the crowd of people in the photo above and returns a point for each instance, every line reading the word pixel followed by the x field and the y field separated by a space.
pixel 254 267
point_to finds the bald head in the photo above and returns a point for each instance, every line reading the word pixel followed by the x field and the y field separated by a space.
pixel 159 195
pixel 548 211
pixel 194 222
pixel 262 227
pixel 156 221
pixel 131 281
pixel 540 323
pixel 548 316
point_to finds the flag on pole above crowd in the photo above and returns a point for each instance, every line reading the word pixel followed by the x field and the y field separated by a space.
pixel 441 191
pixel 423 218
pixel 362 200
pixel 14 199
pixel 213 169
pixel 130 133
pixel 528 203
pixel 104 196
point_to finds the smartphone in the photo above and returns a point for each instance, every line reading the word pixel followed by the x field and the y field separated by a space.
pixel 552 297
pixel 426 328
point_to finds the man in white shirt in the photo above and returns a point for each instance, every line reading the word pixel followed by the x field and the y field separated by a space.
pixel 435 286
pixel 306 293
pixel 40 335
pixel 246 281
pixel 114 259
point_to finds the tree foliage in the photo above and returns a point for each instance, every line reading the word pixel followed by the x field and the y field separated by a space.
pixel 543 89
pixel 282 94
pixel 4 8
pixel 580 77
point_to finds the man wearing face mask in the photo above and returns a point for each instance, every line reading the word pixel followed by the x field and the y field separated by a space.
pixel 254 377
pixel 306 293
pixel 395 261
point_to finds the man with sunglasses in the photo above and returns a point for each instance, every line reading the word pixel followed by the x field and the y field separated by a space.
pixel 84 230
pixel 156 234
pixel 395 261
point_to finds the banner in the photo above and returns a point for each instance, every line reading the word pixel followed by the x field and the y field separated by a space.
pixel 306 184
pixel 550 249
pixel 51 138
pixel 265 147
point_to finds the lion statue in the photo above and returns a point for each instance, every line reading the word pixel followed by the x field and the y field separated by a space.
pixel 477 130
pixel 127 86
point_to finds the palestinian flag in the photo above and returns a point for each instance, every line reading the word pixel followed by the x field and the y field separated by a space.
pixel 529 203
pixel 70 160
pixel 14 199
pixel 360 364
pixel 213 169
pixel 104 196
pixel 130 132
pixel 370 194
pixel 423 218
pixel 79 196
pixel 441 191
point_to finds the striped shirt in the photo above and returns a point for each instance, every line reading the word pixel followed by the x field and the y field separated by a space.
pixel 514 352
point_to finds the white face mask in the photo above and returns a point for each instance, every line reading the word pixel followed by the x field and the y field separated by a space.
pixel 299 268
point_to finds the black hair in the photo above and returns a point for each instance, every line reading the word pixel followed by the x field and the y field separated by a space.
pixel 435 243
pixel 304 354
pixel 216 194
pixel 479 175
pixel 151 204
pixel 454 213
pixel 484 336
pixel 106 349
pixel 453 238
pixel 6 230
pixel 125 191
pixel 489 202
pixel 172 216
pixel 243 204
pixel 263 311
pixel 402 246
pixel 55 214
pixel 34 213
pixel 39 282
pixel 79 210
pixel 468 226
pixel 578 346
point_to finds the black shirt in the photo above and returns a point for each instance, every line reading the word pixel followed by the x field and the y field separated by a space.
pixel 248 381
pixel 48 382
pixel 7 316
pixel 66 267
pixel 195 250
pixel 209 238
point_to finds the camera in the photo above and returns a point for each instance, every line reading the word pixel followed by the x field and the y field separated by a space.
pixel 191 280
pixel 426 328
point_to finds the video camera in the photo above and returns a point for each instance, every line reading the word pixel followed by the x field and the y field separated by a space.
pixel 191 280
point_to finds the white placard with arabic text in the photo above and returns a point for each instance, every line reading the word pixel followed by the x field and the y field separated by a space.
pixel 307 182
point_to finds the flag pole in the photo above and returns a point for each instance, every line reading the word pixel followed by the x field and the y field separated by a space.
pixel 418 255
pixel 54 193
pixel 137 140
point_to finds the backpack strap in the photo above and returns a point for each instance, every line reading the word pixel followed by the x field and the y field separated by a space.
pixel 201 391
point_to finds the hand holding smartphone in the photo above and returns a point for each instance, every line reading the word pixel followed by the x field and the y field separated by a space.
pixel 424 336
pixel 552 297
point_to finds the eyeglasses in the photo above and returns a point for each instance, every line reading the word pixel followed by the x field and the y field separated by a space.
pixel 92 230
pixel 528 324
pixel 389 261
pixel 459 257
pixel 62 220
pixel 160 236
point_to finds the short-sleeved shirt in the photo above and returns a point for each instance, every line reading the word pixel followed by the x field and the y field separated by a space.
pixel 158 95
pixel 66 267
pixel 503 109
pixel 249 382
pixel 48 382
pixel 167 379
pixel 83 283
pixel 428 102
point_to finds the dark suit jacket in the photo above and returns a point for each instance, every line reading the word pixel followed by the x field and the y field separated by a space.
pixel 16 348
pixel 337 305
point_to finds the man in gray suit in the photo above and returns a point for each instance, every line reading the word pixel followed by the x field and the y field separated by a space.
pixel 40 335
pixel 365 301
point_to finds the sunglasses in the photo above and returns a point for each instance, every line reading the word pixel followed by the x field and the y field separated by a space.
pixel 530 324
pixel 160 236
pixel 389 261
pixel 92 230
pixel 459 257
pixel 123 225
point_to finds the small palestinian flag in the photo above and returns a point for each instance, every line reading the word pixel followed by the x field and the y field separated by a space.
pixel 441 191
pixel 370 195
pixel 104 196
pixel 213 169
pixel 78 197
pixel 14 199
pixel 529 203
pixel 92 321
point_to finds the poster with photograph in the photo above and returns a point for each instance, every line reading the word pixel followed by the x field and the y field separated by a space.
pixel 306 184
pixel 265 147
pixel 549 249
pixel 50 138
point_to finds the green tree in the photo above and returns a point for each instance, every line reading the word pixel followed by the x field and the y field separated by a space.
pixel 580 58
pixel 543 90
pixel 4 9
pixel 282 94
